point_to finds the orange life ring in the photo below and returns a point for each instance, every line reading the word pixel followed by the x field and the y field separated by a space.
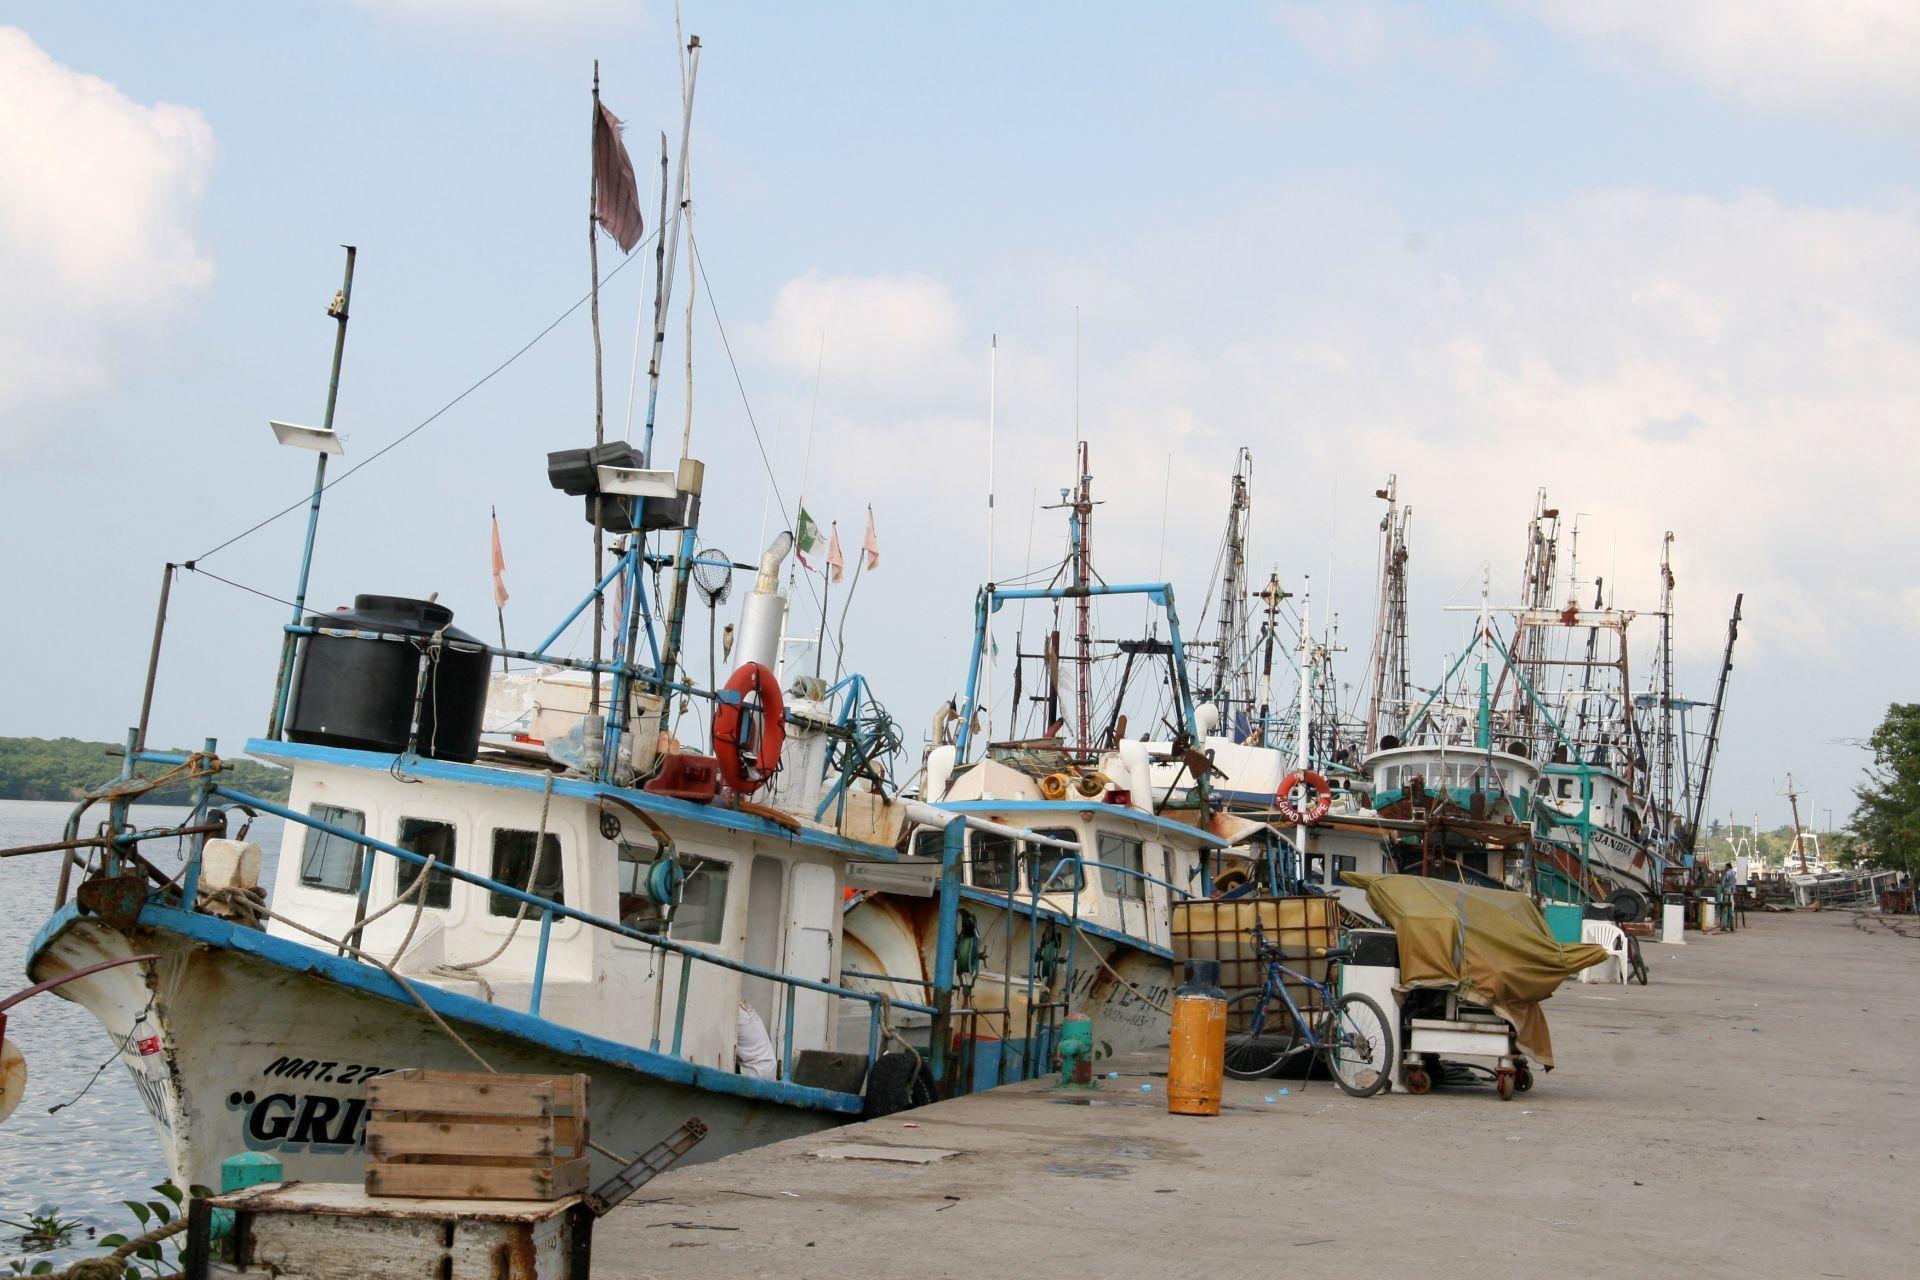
pixel 1316 810
pixel 746 765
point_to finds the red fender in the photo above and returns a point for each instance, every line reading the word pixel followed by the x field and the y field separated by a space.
pixel 745 766
pixel 1316 809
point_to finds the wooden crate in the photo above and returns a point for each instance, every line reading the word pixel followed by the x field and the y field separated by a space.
pixel 1220 931
pixel 463 1135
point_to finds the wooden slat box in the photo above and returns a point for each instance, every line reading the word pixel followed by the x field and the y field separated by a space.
pixel 476 1136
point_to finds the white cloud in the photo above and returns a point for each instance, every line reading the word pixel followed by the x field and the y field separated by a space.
pixel 1367 36
pixel 1852 56
pixel 98 195
pixel 1742 372
pixel 881 333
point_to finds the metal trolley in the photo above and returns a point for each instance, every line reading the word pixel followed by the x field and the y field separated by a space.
pixel 1470 1035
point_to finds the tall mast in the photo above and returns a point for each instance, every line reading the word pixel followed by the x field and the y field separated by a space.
pixel 1082 525
pixel 1799 844
pixel 599 393
pixel 1664 742
pixel 1303 757
pixel 1271 598
pixel 1230 679
pixel 1392 683
pixel 993 397
pixel 1530 641
pixel 1713 725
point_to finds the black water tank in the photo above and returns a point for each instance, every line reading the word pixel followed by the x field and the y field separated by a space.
pixel 352 692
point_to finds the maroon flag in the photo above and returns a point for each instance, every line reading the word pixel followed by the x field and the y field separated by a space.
pixel 616 196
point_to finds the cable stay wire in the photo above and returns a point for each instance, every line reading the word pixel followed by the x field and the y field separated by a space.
pixel 426 422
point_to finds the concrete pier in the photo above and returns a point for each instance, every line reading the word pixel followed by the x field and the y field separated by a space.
pixel 1751 1113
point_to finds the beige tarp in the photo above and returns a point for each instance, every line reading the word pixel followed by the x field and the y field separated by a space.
pixel 1491 945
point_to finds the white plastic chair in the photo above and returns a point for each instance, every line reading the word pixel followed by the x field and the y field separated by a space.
pixel 1609 935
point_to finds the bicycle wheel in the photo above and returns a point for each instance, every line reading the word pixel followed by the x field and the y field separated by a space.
pixel 1360 1042
pixel 1258 1038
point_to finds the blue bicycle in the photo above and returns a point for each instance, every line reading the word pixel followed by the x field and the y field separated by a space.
pixel 1266 1029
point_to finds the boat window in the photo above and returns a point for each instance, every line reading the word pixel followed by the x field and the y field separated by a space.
pixel 1044 860
pixel 429 839
pixel 929 842
pixel 328 861
pixel 513 865
pixel 700 913
pixel 1117 855
pixel 1565 790
pixel 992 860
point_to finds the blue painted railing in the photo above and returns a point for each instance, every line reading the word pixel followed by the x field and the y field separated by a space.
pixel 550 910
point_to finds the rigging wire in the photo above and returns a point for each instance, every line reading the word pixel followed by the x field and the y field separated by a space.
pixel 424 423
pixel 813 588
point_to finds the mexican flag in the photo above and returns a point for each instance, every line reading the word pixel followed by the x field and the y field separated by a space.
pixel 806 537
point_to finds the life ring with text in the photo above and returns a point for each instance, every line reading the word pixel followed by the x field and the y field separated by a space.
pixel 747 740
pixel 1285 804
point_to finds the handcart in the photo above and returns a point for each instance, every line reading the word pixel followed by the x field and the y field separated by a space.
pixel 1468 1035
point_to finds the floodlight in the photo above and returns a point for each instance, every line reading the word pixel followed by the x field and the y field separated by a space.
pixel 319 439
pixel 632 482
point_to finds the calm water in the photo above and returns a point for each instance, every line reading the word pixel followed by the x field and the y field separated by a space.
pixel 100 1150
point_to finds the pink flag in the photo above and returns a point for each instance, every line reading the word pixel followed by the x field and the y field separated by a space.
pixel 870 547
pixel 835 562
pixel 499 567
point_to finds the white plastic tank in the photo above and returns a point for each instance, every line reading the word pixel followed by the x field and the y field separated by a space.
pixel 940 762
pixel 798 786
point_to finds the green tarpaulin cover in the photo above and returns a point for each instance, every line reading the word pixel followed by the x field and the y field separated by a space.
pixel 1491 945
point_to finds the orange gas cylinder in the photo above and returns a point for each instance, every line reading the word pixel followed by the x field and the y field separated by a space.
pixel 1197 1055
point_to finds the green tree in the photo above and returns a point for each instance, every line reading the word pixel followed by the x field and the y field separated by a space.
pixel 1887 819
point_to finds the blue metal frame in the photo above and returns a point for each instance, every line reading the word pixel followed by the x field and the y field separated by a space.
pixel 989 598
pixel 717 815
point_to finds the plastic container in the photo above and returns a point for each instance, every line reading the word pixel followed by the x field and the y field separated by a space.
pixel 358 692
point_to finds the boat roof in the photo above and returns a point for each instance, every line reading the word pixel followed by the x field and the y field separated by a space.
pixel 524 779
pixel 1388 755
pixel 1033 813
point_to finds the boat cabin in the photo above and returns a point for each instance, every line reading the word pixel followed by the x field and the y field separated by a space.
pixel 693 874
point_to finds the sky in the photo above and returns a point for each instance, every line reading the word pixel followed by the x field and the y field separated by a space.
pixel 1660 260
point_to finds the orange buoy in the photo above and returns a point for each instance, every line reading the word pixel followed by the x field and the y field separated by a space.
pixel 1197 1054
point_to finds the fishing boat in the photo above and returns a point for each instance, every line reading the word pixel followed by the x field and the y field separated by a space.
pixel 1063 887
pixel 519 870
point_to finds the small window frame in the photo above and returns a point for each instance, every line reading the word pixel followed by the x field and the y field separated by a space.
pixel 317 846
pixel 501 904
pixel 1038 861
pixel 1131 857
pixel 438 894
pixel 999 873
